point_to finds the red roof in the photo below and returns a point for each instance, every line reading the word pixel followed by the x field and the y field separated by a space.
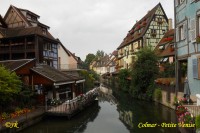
pixel 167 43
pixel 143 25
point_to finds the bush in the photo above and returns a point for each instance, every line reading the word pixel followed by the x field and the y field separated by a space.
pixel 197 122
pixel 144 71
pixel 123 81
pixel 158 94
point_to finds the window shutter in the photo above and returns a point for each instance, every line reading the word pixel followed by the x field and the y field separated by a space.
pixel 192 31
pixel 195 68
pixel 177 34
pixel 198 68
pixel 185 29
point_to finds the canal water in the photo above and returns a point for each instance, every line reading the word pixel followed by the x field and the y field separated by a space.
pixel 111 115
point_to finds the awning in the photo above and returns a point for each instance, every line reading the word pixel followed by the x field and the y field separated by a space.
pixel 80 81
pixel 64 83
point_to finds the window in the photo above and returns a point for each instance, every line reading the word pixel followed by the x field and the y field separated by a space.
pixel 192 31
pixel 44 31
pixel 153 33
pixel 163 31
pixel 179 2
pixel 181 32
pixel 195 68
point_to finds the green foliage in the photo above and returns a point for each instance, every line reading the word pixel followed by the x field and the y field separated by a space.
pixel 197 121
pixel 169 70
pixel 90 77
pixel 89 58
pixel 144 71
pixel 150 92
pixel 158 94
pixel 10 86
pixel 184 69
pixel 123 82
pixel 99 54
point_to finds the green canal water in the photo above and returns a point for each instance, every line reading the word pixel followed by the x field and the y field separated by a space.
pixel 111 115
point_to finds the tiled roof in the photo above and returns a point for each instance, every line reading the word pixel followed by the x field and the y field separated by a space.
pixel 13 65
pixel 167 52
pixel 18 32
pixel 168 37
pixel 52 74
pixel 74 74
pixel 102 62
pixel 115 53
pixel 142 25
pixel 166 42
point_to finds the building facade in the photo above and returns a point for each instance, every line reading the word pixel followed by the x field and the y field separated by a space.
pixel 146 32
pixel 22 36
pixel 66 60
pixel 187 23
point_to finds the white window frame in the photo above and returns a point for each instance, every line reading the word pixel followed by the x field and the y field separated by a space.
pixel 181 33
pixel 198 25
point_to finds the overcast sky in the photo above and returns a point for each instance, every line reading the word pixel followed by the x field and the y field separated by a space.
pixel 84 26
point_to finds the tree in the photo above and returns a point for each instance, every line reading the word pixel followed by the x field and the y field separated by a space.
pixel 10 86
pixel 89 58
pixel 123 81
pixel 144 72
pixel 100 54
pixel 90 77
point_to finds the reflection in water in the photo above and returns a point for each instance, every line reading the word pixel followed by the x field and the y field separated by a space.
pixel 127 118
pixel 110 115
pixel 63 125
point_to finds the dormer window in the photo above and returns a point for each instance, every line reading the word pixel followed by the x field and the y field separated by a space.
pixel 44 31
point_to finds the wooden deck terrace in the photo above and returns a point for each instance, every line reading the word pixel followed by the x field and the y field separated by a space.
pixel 71 107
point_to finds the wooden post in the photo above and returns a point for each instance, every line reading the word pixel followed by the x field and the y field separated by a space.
pixel 10 53
pixel 25 44
pixel 54 92
pixel 36 49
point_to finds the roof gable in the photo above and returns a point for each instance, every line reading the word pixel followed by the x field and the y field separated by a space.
pixel 14 18
pixel 141 26
pixel 64 48
pixel 165 46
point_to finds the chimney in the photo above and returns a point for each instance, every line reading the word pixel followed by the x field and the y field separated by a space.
pixel 170 23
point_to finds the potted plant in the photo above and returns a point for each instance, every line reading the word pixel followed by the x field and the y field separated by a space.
pixel 198 39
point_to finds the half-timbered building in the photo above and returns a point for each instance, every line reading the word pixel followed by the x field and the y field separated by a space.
pixel 146 32
pixel 22 36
